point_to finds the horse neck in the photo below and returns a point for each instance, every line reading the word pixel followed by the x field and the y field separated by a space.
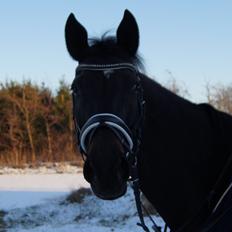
pixel 178 157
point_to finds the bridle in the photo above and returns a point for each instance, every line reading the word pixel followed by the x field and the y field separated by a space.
pixel 130 138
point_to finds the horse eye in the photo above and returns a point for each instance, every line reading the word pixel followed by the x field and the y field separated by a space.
pixel 135 87
pixel 75 86
pixel 79 73
pixel 75 89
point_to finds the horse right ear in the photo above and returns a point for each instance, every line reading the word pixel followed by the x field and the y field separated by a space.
pixel 128 33
pixel 76 38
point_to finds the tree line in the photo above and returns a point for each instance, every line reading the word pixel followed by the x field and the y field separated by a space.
pixel 36 125
pixel 219 95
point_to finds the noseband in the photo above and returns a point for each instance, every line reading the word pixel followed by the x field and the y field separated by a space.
pixel 111 121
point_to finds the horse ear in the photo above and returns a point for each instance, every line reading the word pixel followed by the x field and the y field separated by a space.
pixel 76 38
pixel 128 33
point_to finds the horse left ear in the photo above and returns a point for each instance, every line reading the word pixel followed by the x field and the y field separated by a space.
pixel 128 33
pixel 76 38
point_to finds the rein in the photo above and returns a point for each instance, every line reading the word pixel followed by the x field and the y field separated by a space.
pixel 212 202
pixel 130 141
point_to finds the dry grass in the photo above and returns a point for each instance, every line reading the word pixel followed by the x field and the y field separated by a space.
pixel 2 223
pixel 77 196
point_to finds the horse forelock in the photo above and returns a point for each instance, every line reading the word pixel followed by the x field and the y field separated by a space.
pixel 106 47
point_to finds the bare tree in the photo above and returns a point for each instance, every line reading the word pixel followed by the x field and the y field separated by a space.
pixel 220 96
pixel 175 87
pixel 26 104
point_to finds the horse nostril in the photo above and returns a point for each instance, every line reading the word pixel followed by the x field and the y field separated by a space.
pixel 125 168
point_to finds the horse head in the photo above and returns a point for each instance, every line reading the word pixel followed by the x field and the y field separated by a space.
pixel 107 99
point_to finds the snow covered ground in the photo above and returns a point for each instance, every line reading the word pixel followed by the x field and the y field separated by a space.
pixel 36 201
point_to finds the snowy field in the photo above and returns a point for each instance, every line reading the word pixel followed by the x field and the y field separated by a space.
pixel 36 201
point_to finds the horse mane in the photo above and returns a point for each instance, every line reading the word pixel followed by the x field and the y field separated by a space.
pixel 107 45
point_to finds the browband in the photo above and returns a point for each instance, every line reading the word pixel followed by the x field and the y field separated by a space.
pixel 103 67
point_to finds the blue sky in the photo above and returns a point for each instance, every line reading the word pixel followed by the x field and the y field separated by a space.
pixel 192 39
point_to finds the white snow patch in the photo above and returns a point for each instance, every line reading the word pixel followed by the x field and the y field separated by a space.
pixel 46 168
pixel 92 214
pixel 42 182
pixel 36 203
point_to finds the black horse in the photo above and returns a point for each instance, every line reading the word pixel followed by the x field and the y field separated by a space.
pixel 182 150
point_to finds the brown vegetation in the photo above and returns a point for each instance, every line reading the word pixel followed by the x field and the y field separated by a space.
pixel 77 196
pixel 220 96
pixel 35 125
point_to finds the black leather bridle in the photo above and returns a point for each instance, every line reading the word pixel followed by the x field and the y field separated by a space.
pixel 130 138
